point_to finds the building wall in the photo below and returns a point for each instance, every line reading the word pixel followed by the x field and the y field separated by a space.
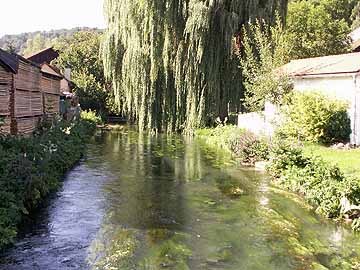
pixel 338 87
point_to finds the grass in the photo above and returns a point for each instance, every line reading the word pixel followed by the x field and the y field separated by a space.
pixel 347 160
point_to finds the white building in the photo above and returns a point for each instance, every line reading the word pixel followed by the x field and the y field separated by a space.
pixel 336 76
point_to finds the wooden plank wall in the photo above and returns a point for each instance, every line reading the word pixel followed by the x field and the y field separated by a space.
pixel 26 125
pixel 51 104
pixel 5 89
pixel 50 86
pixel 28 100
pixel 51 93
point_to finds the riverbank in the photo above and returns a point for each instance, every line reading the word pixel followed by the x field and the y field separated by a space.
pixel 322 184
pixel 32 167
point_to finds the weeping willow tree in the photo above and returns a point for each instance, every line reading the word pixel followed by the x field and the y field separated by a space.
pixel 173 64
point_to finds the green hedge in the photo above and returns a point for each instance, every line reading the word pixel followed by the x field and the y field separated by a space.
pixel 32 167
pixel 314 117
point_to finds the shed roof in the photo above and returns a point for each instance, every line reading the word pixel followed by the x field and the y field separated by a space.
pixel 9 61
pixel 326 65
pixel 44 56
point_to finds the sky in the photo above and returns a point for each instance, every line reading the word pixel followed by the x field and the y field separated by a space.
pixel 19 16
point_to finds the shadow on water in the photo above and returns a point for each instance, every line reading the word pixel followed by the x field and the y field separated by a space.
pixel 160 202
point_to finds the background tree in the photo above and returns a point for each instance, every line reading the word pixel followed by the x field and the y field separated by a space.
pixel 81 53
pixel 266 48
pixel 36 44
pixel 173 63
pixel 10 46
pixel 318 28
pixel 21 43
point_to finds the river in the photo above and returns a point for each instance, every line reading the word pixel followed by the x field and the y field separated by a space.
pixel 141 202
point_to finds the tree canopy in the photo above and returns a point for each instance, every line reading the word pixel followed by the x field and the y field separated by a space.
pixel 266 48
pixel 81 53
pixel 320 27
pixel 174 63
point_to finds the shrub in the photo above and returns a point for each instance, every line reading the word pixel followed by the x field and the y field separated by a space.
pixel 91 116
pixel 284 155
pixel 316 118
pixel 250 149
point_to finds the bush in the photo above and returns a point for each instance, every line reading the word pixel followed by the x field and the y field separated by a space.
pixel 31 168
pixel 283 155
pixel 250 149
pixel 91 116
pixel 316 118
pixel 243 144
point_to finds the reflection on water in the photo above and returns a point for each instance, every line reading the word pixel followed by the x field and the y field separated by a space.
pixel 141 202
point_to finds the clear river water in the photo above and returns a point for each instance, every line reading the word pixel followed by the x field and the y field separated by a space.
pixel 141 202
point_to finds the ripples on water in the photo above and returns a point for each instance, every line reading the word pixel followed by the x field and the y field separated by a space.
pixel 141 202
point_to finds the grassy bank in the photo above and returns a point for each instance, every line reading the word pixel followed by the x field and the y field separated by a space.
pixel 32 167
pixel 333 191
pixel 347 160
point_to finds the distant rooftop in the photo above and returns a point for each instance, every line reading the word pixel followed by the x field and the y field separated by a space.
pixel 326 65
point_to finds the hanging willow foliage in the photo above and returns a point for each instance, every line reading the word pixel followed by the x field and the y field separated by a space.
pixel 173 63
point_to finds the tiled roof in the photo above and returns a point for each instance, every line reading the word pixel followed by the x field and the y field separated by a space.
pixel 10 61
pixel 326 65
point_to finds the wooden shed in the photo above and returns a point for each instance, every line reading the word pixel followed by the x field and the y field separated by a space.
pixel 21 100
pixel 50 87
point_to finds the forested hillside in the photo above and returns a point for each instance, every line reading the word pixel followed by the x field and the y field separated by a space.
pixel 27 43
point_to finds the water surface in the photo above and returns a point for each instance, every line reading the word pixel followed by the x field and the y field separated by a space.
pixel 142 202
